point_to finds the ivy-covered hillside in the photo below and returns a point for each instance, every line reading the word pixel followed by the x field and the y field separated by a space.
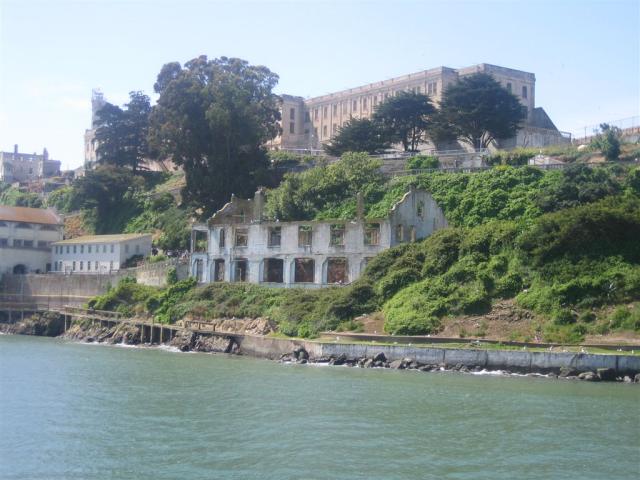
pixel 563 245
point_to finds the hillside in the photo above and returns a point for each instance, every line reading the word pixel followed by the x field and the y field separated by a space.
pixel 558 248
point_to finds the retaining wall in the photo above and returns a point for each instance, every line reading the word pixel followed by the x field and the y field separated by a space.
pixel 518 360
pixel 78 288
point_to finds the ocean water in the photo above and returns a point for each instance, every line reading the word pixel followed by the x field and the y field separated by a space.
pixel 83 411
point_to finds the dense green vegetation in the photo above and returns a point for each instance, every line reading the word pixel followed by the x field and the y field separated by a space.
pixel 14 197
pixel 113 200
pixel 563 244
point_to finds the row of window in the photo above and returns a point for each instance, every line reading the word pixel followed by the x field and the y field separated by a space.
pixel 432 89
pixel 59 266
pixel 59 249
pixel 20 243
pixel 304 270
pixel 371 236
pixel 29 226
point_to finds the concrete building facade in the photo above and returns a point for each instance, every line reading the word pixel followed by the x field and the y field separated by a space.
pixel 238 245
pixel 310 123
pixel 27 167
pixel 26 236
pixel 98 253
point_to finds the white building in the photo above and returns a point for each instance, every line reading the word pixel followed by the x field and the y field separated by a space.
pixel 26 235
pixel 238 245
pixel 98 253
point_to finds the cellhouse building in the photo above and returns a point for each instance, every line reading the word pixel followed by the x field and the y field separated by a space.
pixel 98 253
pixel 238 244
pixel 309 123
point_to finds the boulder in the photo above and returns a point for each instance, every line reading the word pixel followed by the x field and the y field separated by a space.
pixel 340 360
pixel 636 379
pixel 397 364
pixel 627 379
pixel 380 357
pixel 300 353
pixel 589 376
pixel 607 374
pixel 368 363
pixel 378 364
pixel 567 372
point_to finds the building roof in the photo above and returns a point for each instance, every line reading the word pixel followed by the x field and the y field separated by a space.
pixel 28 215
pixel 119 237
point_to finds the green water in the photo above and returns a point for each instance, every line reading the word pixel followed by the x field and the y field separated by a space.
pixel 78 411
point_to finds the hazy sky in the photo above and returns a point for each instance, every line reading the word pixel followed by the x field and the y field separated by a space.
pixel 585 54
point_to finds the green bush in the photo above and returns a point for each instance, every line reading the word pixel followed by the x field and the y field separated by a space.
pixel 423 162
pixel 515 157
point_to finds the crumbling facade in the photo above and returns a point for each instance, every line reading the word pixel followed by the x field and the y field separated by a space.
pixel 238 245
pixel 27 167
pixel 310 123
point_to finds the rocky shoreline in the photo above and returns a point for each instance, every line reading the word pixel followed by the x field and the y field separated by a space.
pixel 52 325
pixel 301 356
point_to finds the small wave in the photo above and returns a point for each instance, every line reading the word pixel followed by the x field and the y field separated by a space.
pixel 489 372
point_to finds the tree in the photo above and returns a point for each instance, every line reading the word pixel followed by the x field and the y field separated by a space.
pixel 608 141
pixel 108 196
pixel 213 118
pixel 357 135
pixel 405 119
pixel 122 133
pixel 480 110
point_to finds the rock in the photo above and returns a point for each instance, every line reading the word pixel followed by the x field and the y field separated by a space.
pixel 464 369
pixel 607 374
pixel 341 360
pixel 636 378
pixel 589 376
pixel 378 364
pixel 397 365
pixel 380 357
pixel 300 353
pixel 477 368
pixel 567 372
pixel 302 361
pixel 414 365
pixel 425 368
pixel 627 379
pixel 368 363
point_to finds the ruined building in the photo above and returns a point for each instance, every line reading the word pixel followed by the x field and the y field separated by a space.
pixel 238 244
pixel 309 123
pixel 90 142
pixel 26 167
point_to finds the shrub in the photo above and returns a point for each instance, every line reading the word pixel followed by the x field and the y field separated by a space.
pixel 423 162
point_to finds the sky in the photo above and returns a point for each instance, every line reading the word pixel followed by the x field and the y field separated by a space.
pixel 585 54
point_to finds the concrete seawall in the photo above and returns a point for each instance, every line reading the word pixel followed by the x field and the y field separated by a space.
pixel 77 289
pixel 512 360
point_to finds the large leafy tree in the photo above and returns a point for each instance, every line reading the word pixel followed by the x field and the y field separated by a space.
pixel 108 196
pixel 405 118
pixel 122 132
pixel 213 118
pixel 480 110
pixel 358 135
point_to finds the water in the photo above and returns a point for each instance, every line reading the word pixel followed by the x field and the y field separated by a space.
pixel 78 411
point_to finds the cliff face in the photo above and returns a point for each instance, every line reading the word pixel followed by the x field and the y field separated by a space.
pixel 41 324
